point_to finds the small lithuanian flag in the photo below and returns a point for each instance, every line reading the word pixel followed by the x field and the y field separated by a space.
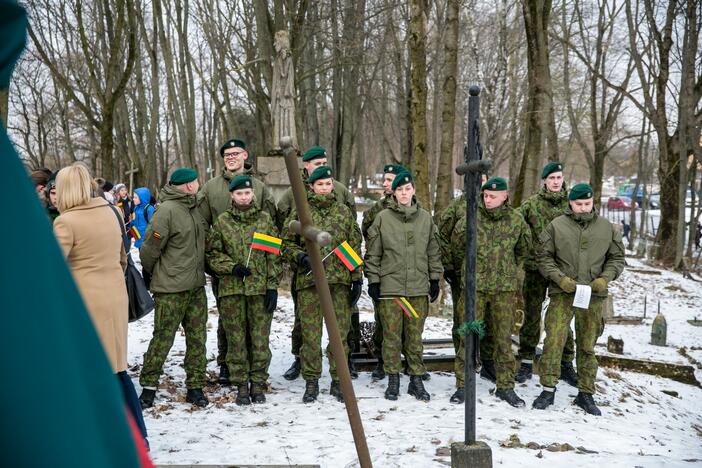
pixel 348 256
pixel 406 306
pixel 135 233
pixel 266 243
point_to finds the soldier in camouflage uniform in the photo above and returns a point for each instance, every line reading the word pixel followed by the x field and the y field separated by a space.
pixel 403 263
pixel 213 200
pixel 345 286
pixel 248 283
pixel 539 210
pixel 389 172
pixel 577 248
pixel 452 263
pixel 173 253
pixel 503 243
pixel 313 158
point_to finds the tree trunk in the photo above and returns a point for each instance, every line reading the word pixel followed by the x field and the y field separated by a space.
pixel 418 60
pixel 444 179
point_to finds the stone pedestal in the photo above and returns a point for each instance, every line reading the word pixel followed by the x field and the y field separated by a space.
pixel 477 455
pixel 271 168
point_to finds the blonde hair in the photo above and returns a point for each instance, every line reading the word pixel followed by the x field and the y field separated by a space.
pixel 73 187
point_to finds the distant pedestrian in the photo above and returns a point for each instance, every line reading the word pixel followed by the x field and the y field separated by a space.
pixel 626 230
pixel 698 235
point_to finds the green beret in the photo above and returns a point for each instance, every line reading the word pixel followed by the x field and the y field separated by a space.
pixel 497 184
pixel 394 169
pixel 322 172
pixel 550 168
pixel 402 178
pixel 315 152
pixel 580 192
pixel 182 176
pixel 240 182
pixel 233 143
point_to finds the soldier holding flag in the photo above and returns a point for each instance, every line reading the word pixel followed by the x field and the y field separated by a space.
pixel 343 274
pixel 243 252
pixel 403 265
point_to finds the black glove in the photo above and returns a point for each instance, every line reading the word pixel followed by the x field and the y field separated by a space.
pixel 271 300
pixel 450 277
pixel 355 292
pixel 147 278
pixel 374 291
pixel 304 261
pixel 433 290
pixel 241 271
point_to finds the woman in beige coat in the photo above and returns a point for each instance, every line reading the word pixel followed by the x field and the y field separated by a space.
pixel 90 235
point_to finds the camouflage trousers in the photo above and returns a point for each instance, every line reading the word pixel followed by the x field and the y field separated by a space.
pixel 456 293
pixel 534 292
pixel 588 327
pixel 498 311
pixel 188 308
pixel 247 324
pixel 311 322
pixel 403 335
pixel 377 332
pixel 296 338
pixel 221 335
pixel 353 338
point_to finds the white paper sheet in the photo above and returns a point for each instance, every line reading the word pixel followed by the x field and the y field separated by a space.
pixel 582 296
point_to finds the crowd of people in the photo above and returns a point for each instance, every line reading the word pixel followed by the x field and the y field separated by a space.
pixel 233 230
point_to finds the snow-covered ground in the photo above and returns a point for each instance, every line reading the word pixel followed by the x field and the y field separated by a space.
pixel 641 425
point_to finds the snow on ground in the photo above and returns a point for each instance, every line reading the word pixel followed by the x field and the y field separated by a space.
pixel 640 426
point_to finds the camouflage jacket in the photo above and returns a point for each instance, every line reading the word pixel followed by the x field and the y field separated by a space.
pixel 539 210
pixel 328 214
pixel 215 198
pixel 403 251
pixel 504 242
pixel 580 249
pixel 229 243
pixel 174 244
pixel 447 223
pixel 370 214
pixel 286 204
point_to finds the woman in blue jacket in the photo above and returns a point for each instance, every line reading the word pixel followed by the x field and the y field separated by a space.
pixel 143 210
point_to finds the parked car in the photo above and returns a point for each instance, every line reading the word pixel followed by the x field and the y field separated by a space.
pixel 654 202
pixel 619 203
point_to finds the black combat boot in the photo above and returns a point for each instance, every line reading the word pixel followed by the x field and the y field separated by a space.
pixel 508 395
pixel 352 368
pixel 525 372
pixel 568 374
pixel 458 396
pixel 223 375
pixel 242 395
pixel 146 400
pixel 379 371
pixel 196 397
pixel 256 393
pixel 294 371
pixel 393 390
pixel 487 371
pixel 585 401
pixel 335 391
pixel 311 391
pixel 544 400
pixel 416 388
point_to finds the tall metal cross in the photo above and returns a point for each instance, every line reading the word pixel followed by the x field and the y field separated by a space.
pixel 314 238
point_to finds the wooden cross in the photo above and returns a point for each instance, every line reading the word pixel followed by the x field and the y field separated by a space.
pixel 131 173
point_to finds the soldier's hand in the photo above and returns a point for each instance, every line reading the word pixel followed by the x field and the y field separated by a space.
pixel 304 261
pixel 241 271
pixel 433 290
pixel 599 285
pixel 355 292
pixel 374 291
pixel 271 300
pixel 450 277
pixel 567 284
pixel 147 278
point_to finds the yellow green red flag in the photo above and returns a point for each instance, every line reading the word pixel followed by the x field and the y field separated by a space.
pixel 348 256
pixel 266 243
pixel 406 307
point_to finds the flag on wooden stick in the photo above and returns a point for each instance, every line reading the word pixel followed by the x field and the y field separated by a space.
pixel 348 256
